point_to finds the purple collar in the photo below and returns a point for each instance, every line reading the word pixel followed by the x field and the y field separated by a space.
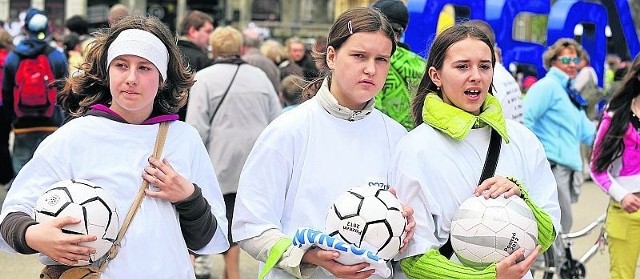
pixel 104 111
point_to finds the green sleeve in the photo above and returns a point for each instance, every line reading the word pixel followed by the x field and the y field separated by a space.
pixel 403 79
pixel 433 265
pixel 546 231
pixel 274 256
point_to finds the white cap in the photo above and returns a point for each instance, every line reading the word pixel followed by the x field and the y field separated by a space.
pixel 143 44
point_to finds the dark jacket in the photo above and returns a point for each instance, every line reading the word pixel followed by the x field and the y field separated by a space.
pixel 193 55
pixel 305 68
pixel 197 60
pixel 31 47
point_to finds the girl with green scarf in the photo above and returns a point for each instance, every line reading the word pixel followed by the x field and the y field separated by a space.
pixel 437 165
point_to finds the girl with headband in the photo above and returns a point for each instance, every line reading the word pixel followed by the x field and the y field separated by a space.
pixel 134 79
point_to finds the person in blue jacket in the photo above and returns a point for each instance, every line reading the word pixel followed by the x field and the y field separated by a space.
pixel 556 114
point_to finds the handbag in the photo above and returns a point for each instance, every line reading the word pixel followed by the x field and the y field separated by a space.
pixel 488 170
pixel 94 272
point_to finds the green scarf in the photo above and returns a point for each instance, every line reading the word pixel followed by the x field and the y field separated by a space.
pixel 457 123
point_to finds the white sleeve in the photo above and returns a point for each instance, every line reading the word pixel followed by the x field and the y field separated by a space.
pixel 406 177
pixel 204 176
pixel 262 188
pixel 541 184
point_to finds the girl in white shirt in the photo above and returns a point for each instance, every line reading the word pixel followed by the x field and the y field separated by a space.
pixel 437 165
pixel 134 79
pixel 311 154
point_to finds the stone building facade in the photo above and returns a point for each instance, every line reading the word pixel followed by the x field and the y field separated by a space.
pixel 284 18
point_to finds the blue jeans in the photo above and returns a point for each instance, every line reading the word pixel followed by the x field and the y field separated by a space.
pixel 24 145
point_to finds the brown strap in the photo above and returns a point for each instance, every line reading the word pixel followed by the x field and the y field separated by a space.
pixel 157 151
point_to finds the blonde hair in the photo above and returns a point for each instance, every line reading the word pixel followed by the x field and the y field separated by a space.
pixel 273 50
pixel 226 41
pixel 551 54
pixel 291 41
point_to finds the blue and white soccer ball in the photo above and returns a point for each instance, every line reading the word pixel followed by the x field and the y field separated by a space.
pixel 485 231
pixel 86 201
pixel 369 218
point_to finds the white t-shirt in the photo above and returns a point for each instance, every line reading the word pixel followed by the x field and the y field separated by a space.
pixel 302 162
pixel 434 174
pixel 508 93
pixel 113 155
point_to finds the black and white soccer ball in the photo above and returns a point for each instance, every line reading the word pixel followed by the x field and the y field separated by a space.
pixel 485 231
pixel 369 218
pixel 86 201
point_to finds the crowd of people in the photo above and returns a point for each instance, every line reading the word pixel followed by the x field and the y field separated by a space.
pixel 264 134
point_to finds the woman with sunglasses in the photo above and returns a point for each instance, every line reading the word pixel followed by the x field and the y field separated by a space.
pixel 556 114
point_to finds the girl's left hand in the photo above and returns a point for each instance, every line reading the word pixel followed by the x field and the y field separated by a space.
pixel 170 185
pixel 495 186
pixel 407 212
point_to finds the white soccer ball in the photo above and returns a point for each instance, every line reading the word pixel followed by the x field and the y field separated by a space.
pixel 485 231
pixel 86 201
pixel 369 218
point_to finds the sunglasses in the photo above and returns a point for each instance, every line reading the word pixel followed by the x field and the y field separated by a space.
pixel 567 60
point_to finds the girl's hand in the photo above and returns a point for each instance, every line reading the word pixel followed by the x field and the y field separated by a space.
pixel 48 238
pixel 407 212
pixel 327 260
pixel 169 185
pixel 495 186
pixel 630 203
pixel 508 268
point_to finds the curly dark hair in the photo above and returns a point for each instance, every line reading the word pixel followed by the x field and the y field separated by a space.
pixel 91 85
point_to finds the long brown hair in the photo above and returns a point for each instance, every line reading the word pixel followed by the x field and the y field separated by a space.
pixel 83 90
pixel 437 53
pixel 611 145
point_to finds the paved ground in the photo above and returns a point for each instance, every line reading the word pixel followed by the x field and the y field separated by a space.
pixel 592 203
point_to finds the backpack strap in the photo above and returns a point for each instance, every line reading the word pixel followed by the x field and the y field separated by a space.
pixel 488 170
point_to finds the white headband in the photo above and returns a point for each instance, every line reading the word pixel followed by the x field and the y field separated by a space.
pixel 143 44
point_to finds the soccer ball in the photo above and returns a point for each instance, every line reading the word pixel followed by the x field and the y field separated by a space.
pixel 86 201
pixel 485 231
pixel 369 218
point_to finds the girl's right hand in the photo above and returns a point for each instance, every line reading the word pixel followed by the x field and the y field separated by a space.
pixel 327 260
pixel 495 186
pixel 508 268
pixel 630 203
pixel 48 238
